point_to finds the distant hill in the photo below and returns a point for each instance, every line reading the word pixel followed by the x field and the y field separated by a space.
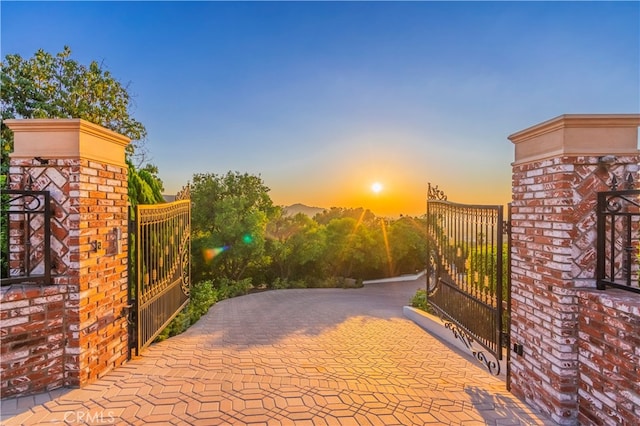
pixel 291 210
pixel 294 209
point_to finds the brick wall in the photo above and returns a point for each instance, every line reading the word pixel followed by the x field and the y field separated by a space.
pixel 73 330
pixel 33 338
pixel 543 298
pixel 97 339
pixel 609 357
pixel 556 178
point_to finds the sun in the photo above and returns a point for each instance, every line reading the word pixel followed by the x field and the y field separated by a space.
pixel 376 187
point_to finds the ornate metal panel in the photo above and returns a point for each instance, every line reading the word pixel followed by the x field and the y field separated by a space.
pixel 467 274
pixel 618 242
pixel 159 290
pixel 26 217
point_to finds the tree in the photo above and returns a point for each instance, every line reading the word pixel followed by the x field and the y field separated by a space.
pixel 408 245
pixel 352 248
pixel 359 214
pixel 280 231
pixel 228 222
pixel 144 185
pixel 48 86
pixel 295 247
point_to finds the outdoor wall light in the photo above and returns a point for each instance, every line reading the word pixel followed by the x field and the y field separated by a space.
pixel 606 161
pixel 118 237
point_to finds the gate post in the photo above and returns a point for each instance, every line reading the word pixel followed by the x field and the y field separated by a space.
pixel 559 167
pixel 83 166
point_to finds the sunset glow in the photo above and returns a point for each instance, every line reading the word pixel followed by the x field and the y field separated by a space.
pixel 347 104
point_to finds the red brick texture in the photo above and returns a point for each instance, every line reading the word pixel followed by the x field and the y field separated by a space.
pixel 72 331
pixel 33 338
pixel 608 357
pixel 553 256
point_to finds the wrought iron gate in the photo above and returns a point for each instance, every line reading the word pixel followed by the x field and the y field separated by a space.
pixel 467 274
pixel 159 267
pixel 618 243
pixel 26 252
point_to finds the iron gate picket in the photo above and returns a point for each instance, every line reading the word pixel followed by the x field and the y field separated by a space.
pixel 467 274
pixel 159 267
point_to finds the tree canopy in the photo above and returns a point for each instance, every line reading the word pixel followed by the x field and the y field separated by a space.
pixel 48 86
pixel 228 222
pixel 56 86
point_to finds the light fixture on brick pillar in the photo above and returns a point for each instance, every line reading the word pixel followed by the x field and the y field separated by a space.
pixel 606 161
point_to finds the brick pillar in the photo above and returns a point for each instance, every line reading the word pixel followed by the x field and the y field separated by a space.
pixel 83 166
pixel 556 175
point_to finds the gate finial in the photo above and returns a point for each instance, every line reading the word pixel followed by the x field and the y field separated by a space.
pixel 629 182
pixel 434 193
pixel 184 193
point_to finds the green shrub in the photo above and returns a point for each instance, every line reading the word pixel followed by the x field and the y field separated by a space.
pixel 352 283
pixel 419 300
pixel 280 283
pixel 284 283
pixel 315 282
pixel 230 288
pixel 297 284
pixel 240 288
pixel 331 282
pixel 202 297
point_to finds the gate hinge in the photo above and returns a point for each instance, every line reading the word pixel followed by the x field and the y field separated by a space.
pixel 506 226
pixel 128 311
pixel 504 339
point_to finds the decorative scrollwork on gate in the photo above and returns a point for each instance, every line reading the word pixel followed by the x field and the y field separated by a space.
pixel 618 200
pixel 459 333
pixel 184 193
pixel 433 193
pixel 186 259
pixel 433 262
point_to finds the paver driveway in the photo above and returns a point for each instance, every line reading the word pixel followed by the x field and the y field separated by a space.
pixel 299 357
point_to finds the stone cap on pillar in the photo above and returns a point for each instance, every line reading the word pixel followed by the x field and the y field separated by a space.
pixel 66 138
pixel 578 134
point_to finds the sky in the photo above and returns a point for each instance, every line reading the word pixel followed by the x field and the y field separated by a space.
pixel 323 99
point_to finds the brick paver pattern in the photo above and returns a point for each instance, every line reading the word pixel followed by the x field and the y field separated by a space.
pixel 292 357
